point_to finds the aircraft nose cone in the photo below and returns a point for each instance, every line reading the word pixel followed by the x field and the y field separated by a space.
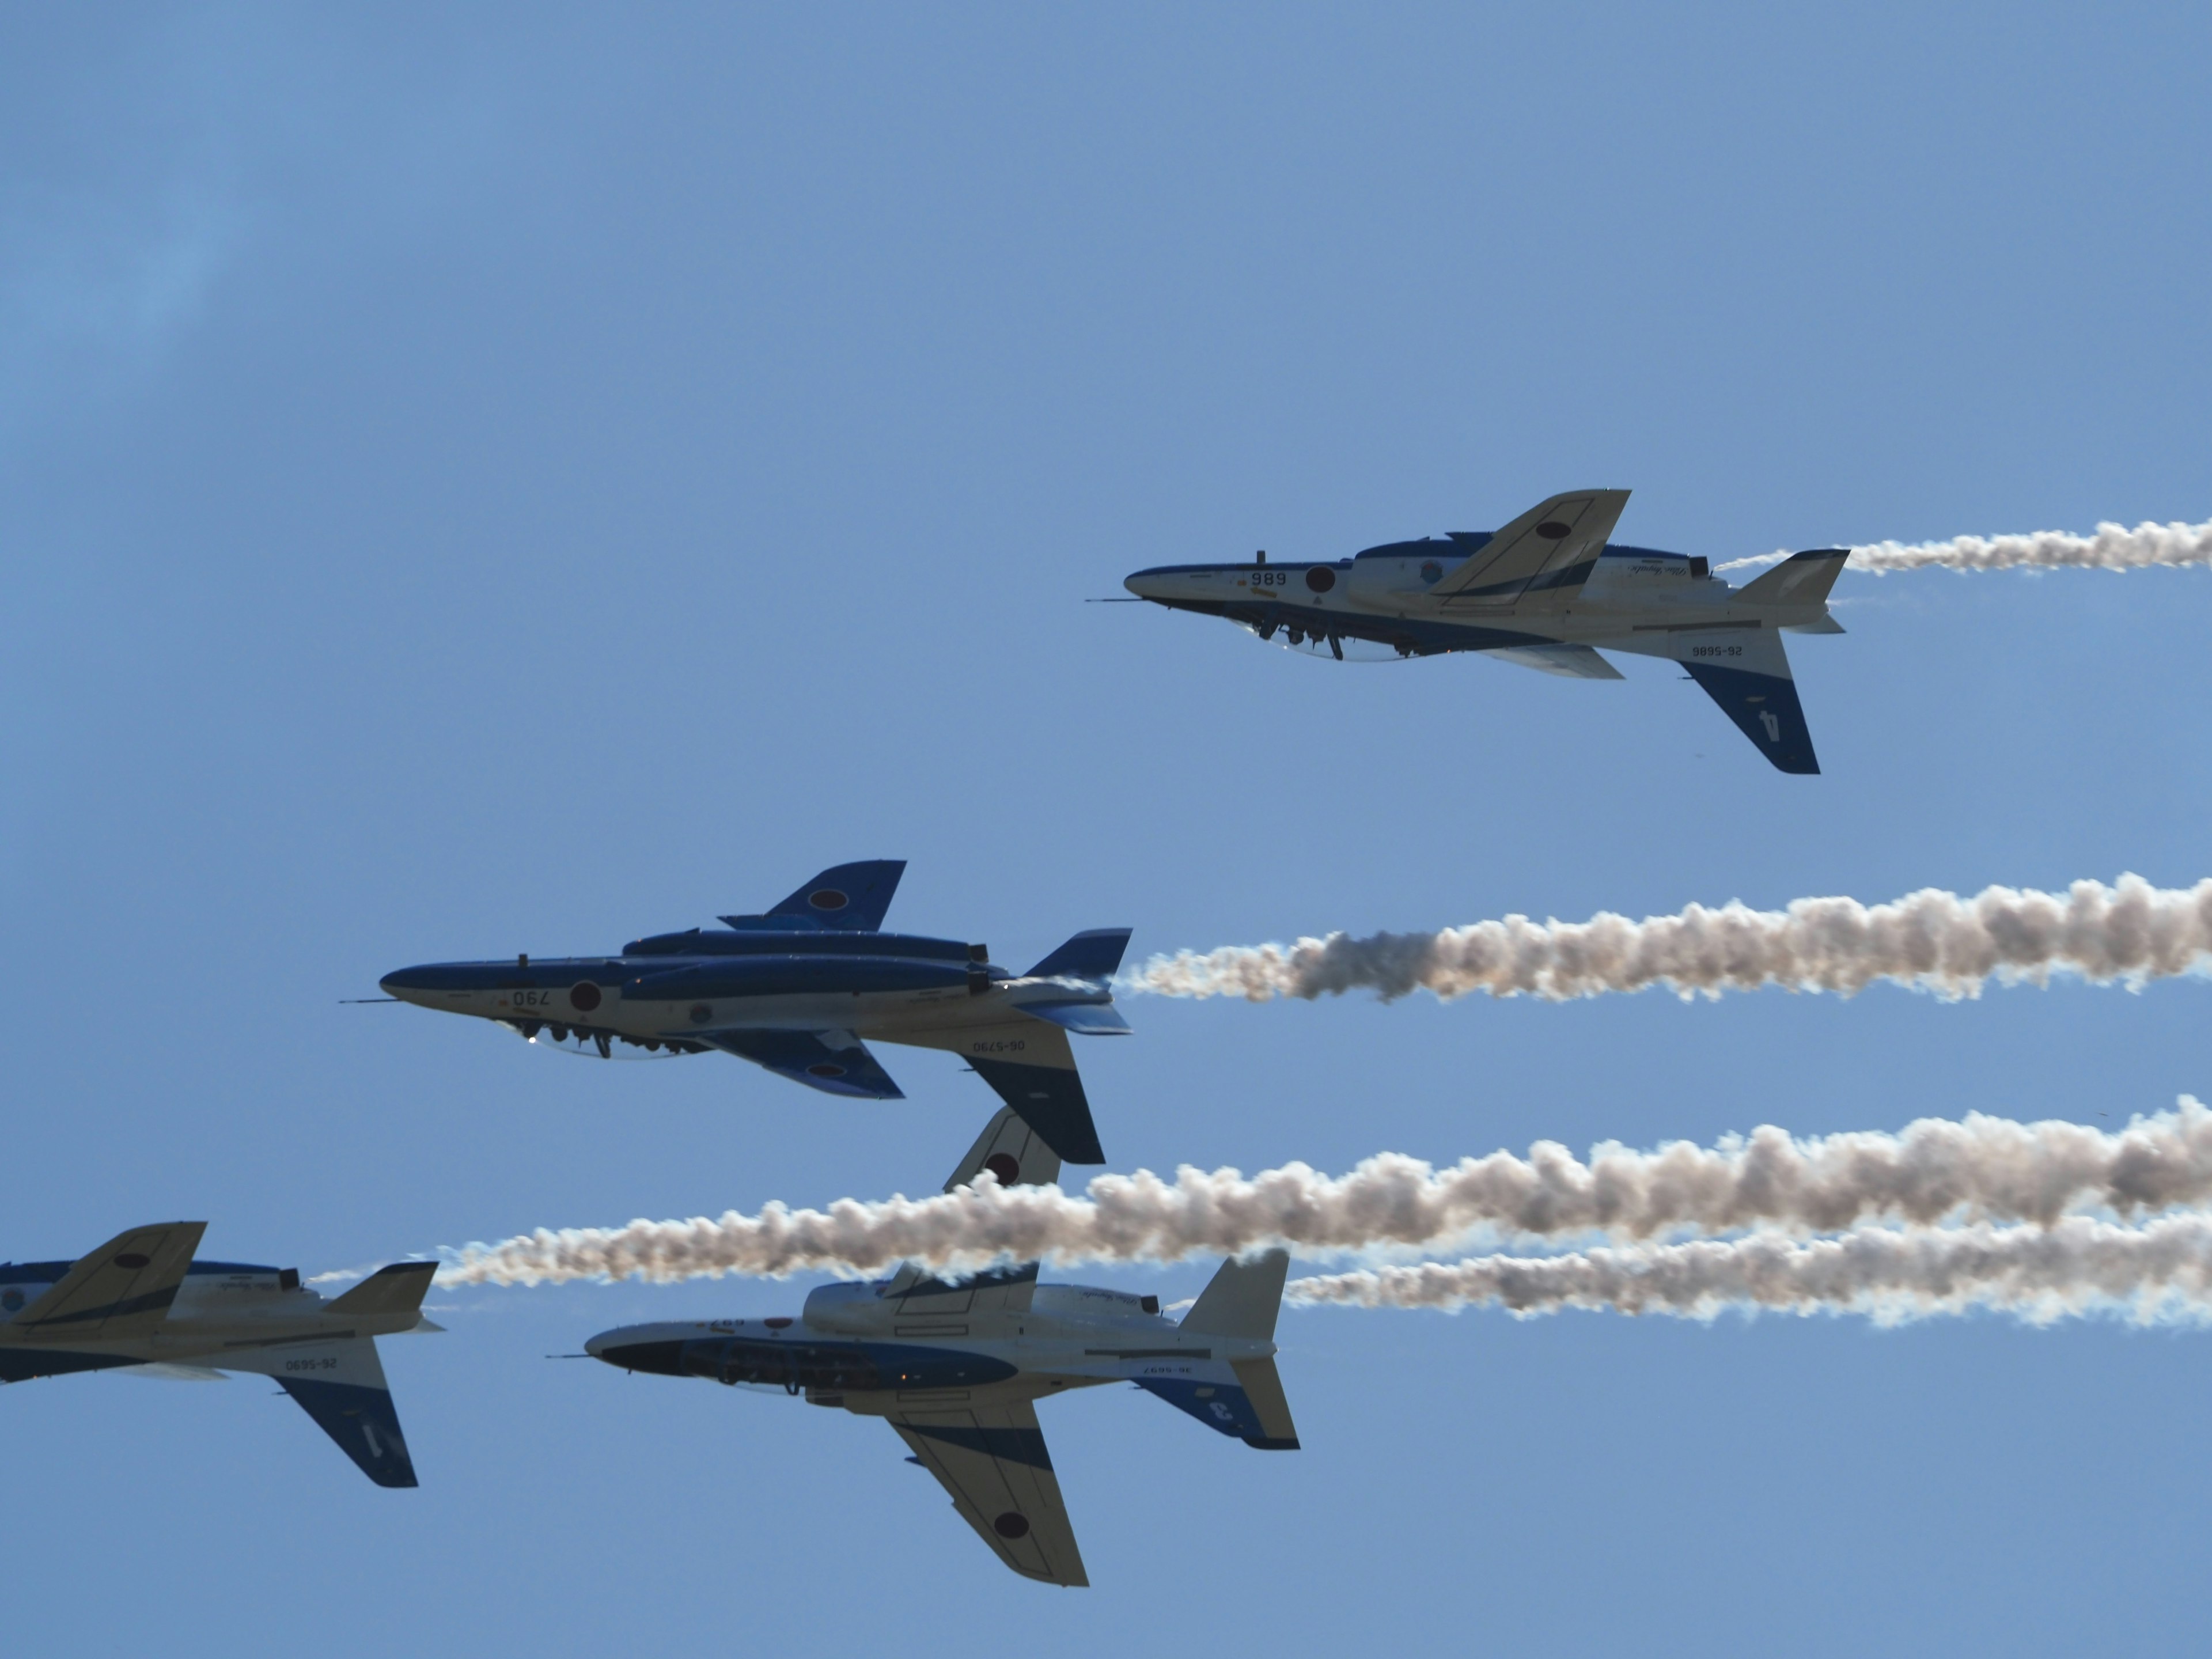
pixel 405 983
pixel 596 1346
pixel 1143 584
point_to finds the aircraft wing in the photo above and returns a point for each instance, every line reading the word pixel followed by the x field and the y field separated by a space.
pixel 1574 662
pixel 341 1385
pixel 835 1062
pixel 122 1289
pixel 1540 561
pixel 992 1460
pixel 845 895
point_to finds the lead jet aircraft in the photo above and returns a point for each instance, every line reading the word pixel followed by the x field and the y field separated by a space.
pixel 797 990
pixel 141 1304
pixel 1548 592
pixel 957 1369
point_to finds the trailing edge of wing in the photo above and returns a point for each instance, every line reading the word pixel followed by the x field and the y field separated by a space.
pixel 835 1062
pixel 993 1462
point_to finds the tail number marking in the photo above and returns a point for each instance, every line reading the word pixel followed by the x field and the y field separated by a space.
pixel 1010 1045
pixel 1716 651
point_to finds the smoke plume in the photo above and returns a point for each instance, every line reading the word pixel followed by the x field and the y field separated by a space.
pixel 2114 547
pixel 1981 1168
pixel 2159 1271
pixel 1930 940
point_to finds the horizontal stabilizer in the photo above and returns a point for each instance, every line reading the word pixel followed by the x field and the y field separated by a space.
pixel 1801 579
pixel 1091 957
pixel 1243 1298
pixel 1574 662
pixel 1263 1386
pixel 122 1289
pixel 835 1062
pixel 1085 1019
pixel 1243 1399
pixel 852 896
pixel 397 1289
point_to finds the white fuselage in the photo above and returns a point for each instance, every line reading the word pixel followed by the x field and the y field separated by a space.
pixel 222 1319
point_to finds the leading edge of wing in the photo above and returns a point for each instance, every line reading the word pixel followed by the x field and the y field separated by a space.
pixel 122 1289
pixel 835 1062
pixel 991 1460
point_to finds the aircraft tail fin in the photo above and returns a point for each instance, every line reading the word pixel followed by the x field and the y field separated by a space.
pixel 1801 579
pixel 1243 1298
pixel 1092 955
pixel 397 1289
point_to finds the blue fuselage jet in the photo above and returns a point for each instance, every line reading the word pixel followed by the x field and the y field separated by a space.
pixel 798 990
pixel 1548 592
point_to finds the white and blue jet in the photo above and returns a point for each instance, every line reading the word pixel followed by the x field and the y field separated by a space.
pixel 797 991
pixel 957 1369
pixel 1548 592
pixel 140 1304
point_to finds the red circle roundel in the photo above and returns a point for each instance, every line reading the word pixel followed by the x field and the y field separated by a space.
pixel 584 996
pixel 1003 1166
pixel 1011 1525
pixel 828 898
pixel 1321 579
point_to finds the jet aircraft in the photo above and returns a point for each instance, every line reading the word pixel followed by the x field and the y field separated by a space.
pixel 140 1303
pixel 957 1369
pixel 1548 592
pixel 798 989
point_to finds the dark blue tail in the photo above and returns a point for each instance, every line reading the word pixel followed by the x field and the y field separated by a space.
pixel 1091 956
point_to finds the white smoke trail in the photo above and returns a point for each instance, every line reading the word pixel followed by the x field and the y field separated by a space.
pixel 1980 1167
pixel 2114 547
pixel 2157 1273
pixel 1930 940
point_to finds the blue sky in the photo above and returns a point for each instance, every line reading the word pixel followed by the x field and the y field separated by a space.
pixel 513 479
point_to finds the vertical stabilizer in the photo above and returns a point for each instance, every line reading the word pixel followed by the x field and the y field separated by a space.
pixel 1243 1298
